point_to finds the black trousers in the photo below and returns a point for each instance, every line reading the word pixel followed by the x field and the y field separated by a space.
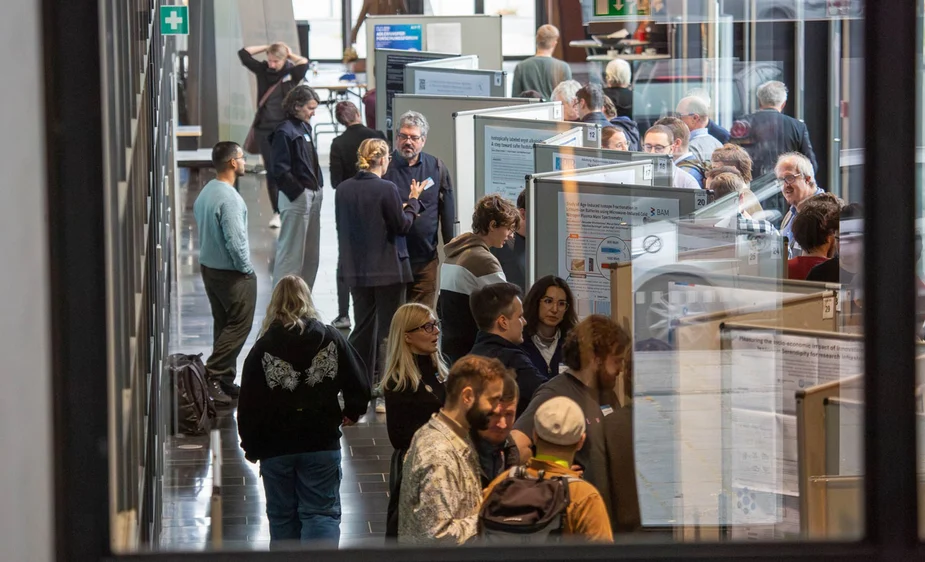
pixel 232 297
pixel 266 151
pixel 373 308
pixel 343 299
pixel 395 468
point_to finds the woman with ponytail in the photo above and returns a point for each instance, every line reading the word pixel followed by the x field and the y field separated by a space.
pixel 373 260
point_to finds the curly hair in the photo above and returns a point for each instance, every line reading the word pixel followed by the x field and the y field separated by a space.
pixel 734 155
pixel 494 210
pixel 596 336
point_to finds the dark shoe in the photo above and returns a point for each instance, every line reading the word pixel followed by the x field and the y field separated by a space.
pixel 218 395
pixel 232 390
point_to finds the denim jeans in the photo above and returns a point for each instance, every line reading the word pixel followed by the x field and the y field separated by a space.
pixel 303 497
pixel 299 237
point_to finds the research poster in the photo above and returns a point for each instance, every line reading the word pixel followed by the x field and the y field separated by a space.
pixel 451 84
pixel 574 162
pixel 509 158
pixel 595 232
pixel 404 37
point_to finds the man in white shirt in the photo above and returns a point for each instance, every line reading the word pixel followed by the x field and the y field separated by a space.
pixel 660 140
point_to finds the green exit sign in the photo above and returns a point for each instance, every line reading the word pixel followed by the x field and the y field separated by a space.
pixel 614 7
pixel 174 20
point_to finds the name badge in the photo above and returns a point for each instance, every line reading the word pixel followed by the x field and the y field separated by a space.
pixel 428 183
pixel 606 410
pixel 307 137
pixel 287 78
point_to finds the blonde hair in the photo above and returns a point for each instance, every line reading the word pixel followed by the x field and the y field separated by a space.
pixel 290 304
pixel 370 151
pixel 618 73
pixel 401 369
pixel 546 36
pixel 279 50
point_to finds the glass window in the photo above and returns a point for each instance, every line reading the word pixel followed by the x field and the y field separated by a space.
pixel 518 26
pixel 325 41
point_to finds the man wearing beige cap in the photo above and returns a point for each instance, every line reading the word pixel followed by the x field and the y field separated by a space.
pixel 558 433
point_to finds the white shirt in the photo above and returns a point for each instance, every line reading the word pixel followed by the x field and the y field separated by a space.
pixel 684 180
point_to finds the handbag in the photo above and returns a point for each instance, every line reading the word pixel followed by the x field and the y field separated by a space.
pixel 251 144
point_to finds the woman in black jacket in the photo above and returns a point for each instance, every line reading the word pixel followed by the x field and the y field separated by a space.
pixel 549 310
pixel 344 166
pixel 415 371
pixel 282 71
pixel 373 256
pixel 289 416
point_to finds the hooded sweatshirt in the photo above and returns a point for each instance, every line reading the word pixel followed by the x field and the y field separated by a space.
pixel 469 265
pixel 289 386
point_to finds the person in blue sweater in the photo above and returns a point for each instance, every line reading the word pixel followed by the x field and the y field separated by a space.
pixel 373 256
pixel 499 314
pixel 549 310
pixel 225 265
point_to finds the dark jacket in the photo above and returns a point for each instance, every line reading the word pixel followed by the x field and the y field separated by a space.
pixel 344 151
pixel 273 113
pixel 536 357
pixel 289 388
pixel 596 117
pixel 468 266
pixel 630 129
pixel 513 357
pixel 513 258
pixel 768 133
pixel 371 227
pixel 295 158
pixel 438 200
pixel 410 409
pixel 717 132
pixel 622 99
pixel 494 459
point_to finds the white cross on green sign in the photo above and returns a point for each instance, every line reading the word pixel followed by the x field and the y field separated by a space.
pixel 174 20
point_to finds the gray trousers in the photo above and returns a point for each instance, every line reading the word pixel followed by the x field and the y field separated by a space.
pixel 299 243
pixel 232 297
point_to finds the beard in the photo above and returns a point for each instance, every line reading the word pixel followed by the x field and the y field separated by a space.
pixel 605 380
pixel 477 419
pixel 407 153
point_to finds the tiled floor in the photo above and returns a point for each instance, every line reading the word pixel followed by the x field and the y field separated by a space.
pixel 187 520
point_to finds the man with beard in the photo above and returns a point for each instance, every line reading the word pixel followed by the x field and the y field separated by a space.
pixel 441 489
pixel 596 351
pixel 409 162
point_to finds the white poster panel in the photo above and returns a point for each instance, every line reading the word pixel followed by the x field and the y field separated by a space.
pixel 450 84
pixel 509 158
pixel 595 232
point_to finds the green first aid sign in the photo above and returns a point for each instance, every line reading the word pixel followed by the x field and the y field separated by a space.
pixel 614 7
pixel 174 20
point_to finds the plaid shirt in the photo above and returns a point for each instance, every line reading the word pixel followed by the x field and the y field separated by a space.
pixel 754 226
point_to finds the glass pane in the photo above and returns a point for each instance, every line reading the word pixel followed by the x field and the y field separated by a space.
pixel 326 37
pixel 518 25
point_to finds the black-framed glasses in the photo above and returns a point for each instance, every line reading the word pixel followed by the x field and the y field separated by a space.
pixel 654 148
pixel 415 138
pixel 549 301
pixel 428 328
pixel 790 178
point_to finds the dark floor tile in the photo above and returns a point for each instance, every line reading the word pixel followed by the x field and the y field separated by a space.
pixel 377 526
pixel 366 466
pixel 372 477
pixel 367 487
pixel 364 503
pixel 362 452
pixel 361 543
pixel 354 527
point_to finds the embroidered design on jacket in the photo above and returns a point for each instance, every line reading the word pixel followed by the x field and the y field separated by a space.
pixel 280 373
pixel 324 366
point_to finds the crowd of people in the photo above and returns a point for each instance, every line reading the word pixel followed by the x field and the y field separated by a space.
pixel 492 386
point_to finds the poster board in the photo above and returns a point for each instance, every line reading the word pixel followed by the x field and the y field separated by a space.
pixel 391 79
pixel 504 150
pixel 473 35
pixel 464 141
pixel 578 230
pixel 439 81
pixel 548 158
pixel 572 137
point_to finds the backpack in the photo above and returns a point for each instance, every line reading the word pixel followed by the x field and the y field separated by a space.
pixel 524 509
pixel 193 407
pixel 696 168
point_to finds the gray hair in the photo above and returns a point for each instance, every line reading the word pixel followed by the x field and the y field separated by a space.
pixel 414 119
pixel 798 161
pixel 567 90
pixel 694 106
pixel 702 94
pixel 618 73
pixel 772 93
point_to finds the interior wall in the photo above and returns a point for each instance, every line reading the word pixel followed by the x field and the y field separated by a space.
pixel 26 480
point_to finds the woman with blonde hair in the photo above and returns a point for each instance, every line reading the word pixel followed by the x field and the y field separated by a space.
pixel 413 387
pixel 373 255
pixel 618 77
pixel 289 416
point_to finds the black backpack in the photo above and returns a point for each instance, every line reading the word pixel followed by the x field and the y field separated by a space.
pixel 193 405
pixel 524 509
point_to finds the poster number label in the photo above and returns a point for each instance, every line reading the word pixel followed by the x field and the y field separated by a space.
pixel 828 308
pixel 700 200
pixel 592 134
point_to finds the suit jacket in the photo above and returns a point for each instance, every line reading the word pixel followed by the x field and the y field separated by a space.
pixel 768 133
pixel 344 151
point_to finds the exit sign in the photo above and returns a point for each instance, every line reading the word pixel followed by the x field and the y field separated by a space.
pixel 174 20
pixel 615 7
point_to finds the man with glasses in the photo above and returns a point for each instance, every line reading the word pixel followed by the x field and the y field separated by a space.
pixel 499 314
pixel 410 162
pixel 795 173
pixel 567 94
pixel 660 140
pixel 225 265
pixel 696 115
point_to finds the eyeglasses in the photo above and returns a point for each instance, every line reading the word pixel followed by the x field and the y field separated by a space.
pixel 428 328
pixel 654 148
pixel 415 138
pixel 549 301
pixel 790 178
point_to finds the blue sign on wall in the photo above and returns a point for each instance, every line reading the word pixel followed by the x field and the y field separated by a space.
pixel 405 37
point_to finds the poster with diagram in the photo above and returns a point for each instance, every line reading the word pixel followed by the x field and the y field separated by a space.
pixel 595 234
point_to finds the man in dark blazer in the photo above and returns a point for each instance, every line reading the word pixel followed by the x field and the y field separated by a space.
pixel 768 133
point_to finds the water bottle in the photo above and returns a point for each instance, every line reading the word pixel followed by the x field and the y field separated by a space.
pixel 315 68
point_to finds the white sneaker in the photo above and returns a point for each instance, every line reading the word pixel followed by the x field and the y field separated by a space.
pixel 275 222
pixel 341 323
pixel 380 405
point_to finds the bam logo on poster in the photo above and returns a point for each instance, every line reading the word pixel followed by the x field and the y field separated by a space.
pixel 653 212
